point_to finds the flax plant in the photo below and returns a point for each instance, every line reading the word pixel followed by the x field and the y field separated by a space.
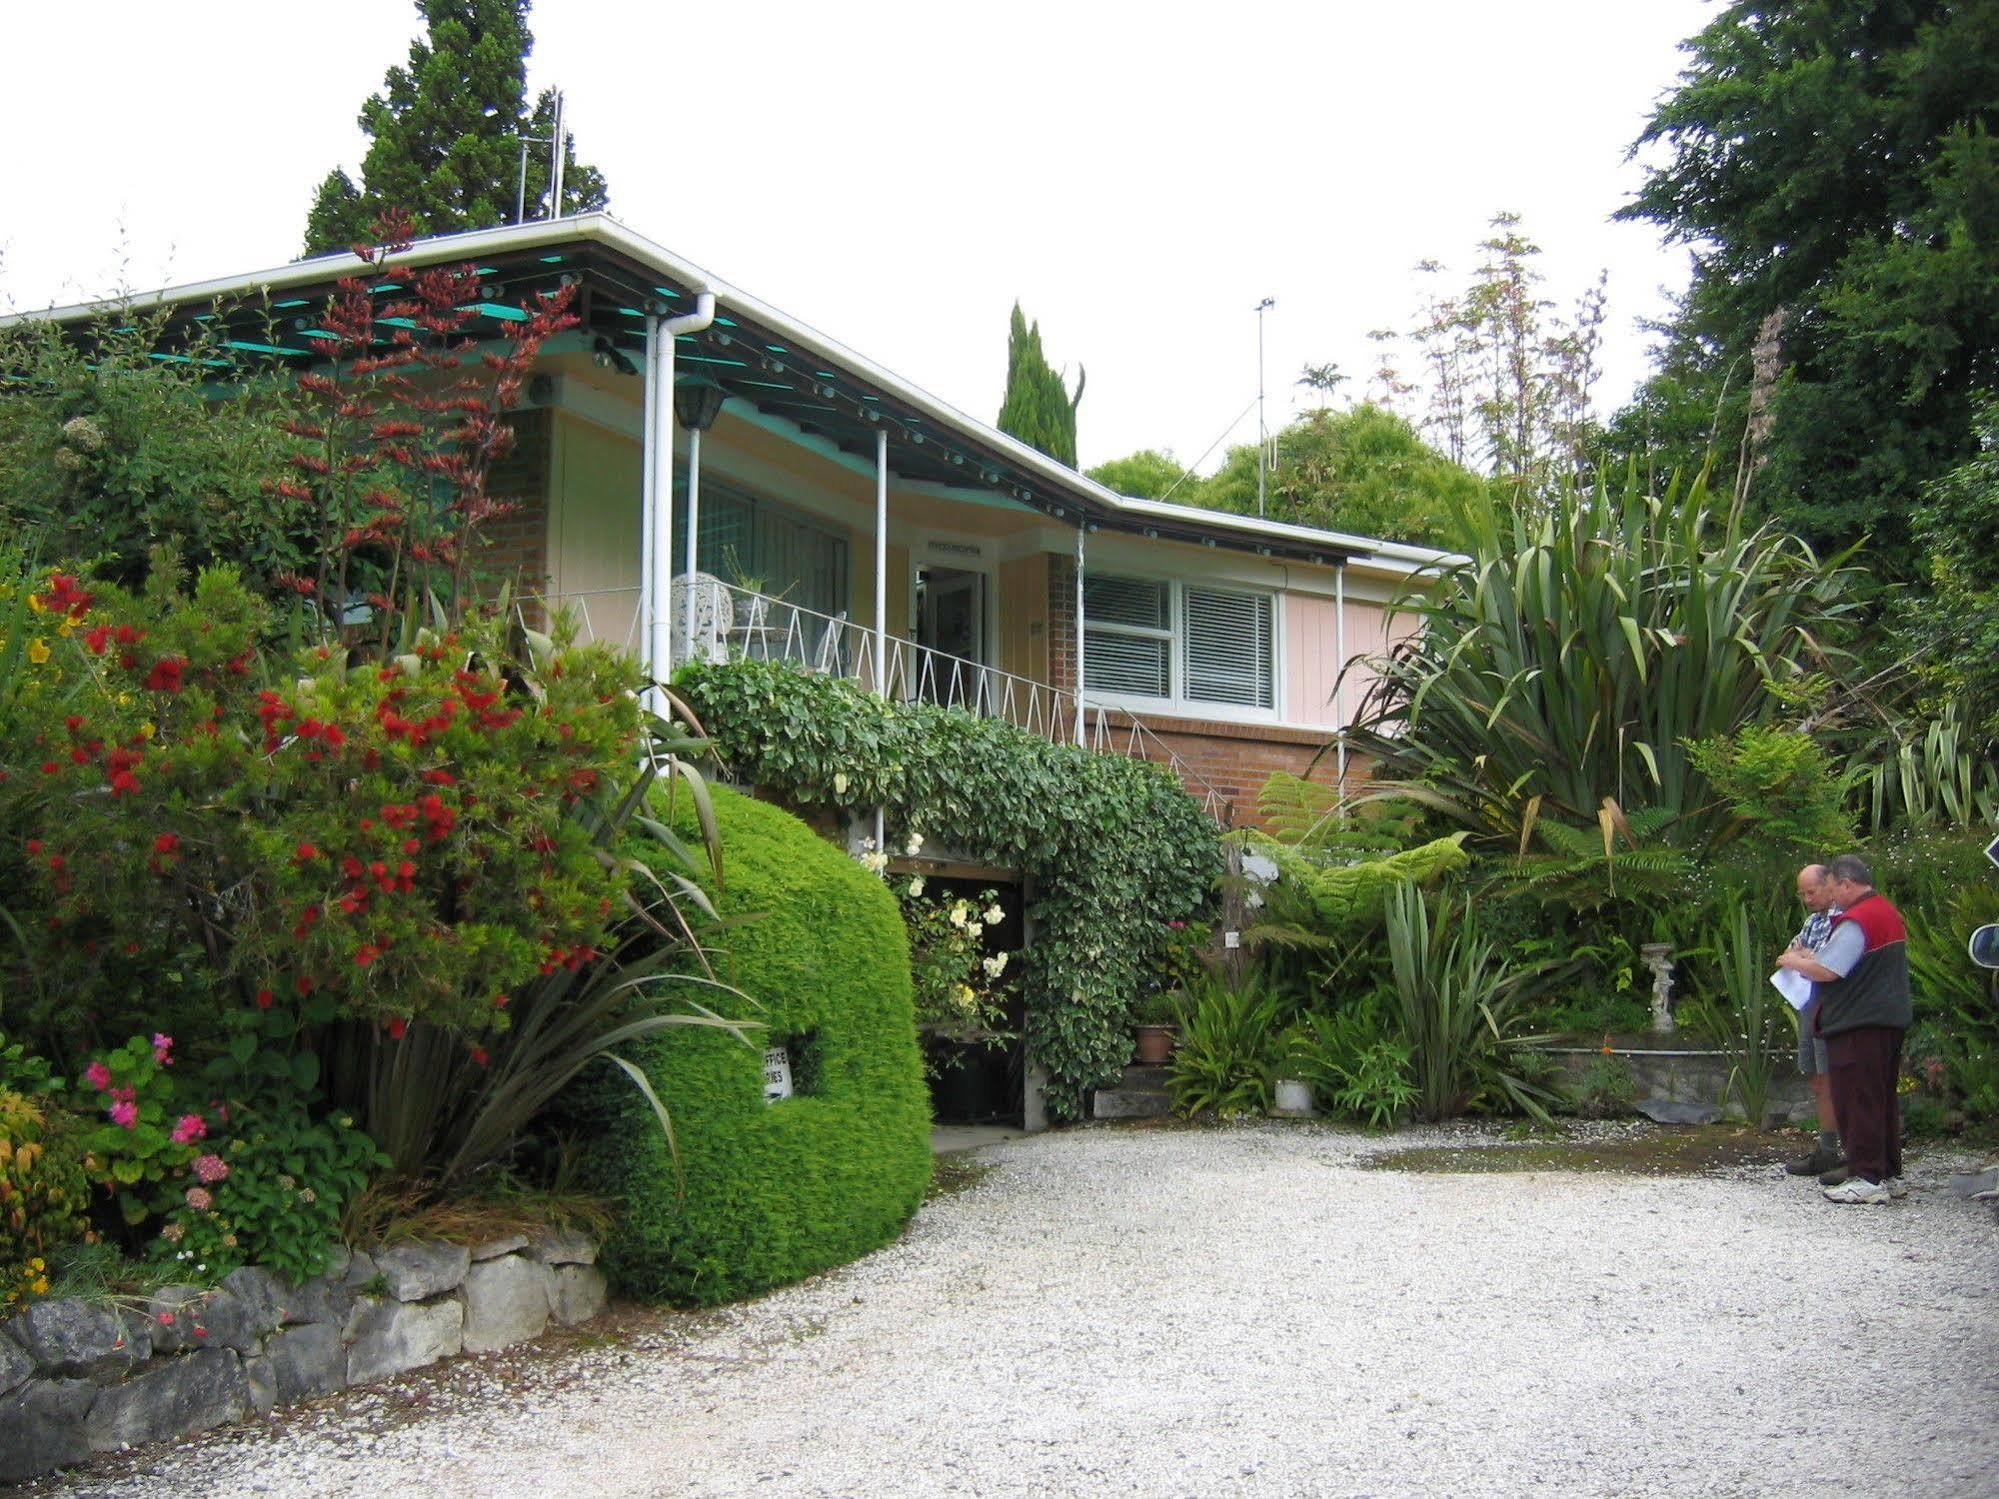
pixel 1564 667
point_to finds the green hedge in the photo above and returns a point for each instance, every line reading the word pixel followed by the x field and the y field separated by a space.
pixel 766 1194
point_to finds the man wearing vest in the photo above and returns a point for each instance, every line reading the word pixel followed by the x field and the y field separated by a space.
pixel 1860 982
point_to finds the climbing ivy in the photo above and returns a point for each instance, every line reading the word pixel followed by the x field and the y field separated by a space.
pixel 1112 848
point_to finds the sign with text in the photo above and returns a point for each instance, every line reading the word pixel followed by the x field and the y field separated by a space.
pixel 777 1074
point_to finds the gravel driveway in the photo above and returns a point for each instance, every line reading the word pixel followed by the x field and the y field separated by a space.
pixel 1244 1311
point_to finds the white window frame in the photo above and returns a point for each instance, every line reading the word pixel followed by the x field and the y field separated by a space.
pixel 1177 704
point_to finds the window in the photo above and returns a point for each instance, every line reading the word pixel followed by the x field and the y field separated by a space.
pixel 749 540
pixel 1180 642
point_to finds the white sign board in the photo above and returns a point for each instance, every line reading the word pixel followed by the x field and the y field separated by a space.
pixel 1992 850
pixel 777 1074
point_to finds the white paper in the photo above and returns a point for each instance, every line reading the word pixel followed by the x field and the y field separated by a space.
pixel 1793 986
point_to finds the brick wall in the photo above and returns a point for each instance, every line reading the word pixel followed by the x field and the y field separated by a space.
pixel 1236 759
pixel 1061 622
pixel 516 544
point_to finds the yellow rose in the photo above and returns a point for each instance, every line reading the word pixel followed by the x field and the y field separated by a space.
pixel 38 651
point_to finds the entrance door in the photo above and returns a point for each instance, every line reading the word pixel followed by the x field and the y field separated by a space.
pixel 951 620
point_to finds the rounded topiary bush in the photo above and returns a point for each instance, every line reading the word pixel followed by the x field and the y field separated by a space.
pixel 766 1193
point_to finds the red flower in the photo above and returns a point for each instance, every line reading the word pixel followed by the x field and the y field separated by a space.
pixel 79 756
pixel 500 1001
pixel 65 596
pixel 440 778
pixel 166 843
pixel 124 783
pixel 264 998
pixel 126 635
pixel 166 674
pixel 72 723
pixel 97 638
pixel 479 1057
pixel 304 985
pixel 304 852
pixel 364 955
pixel 397 1025
pixel 49 767
pixel 34 845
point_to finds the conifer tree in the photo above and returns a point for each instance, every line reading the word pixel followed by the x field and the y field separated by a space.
pixel 1038 408
pixel 445 134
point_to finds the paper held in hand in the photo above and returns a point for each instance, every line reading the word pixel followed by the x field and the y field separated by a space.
pixel 1793 986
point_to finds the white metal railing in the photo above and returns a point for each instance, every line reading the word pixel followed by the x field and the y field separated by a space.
pixel 737 624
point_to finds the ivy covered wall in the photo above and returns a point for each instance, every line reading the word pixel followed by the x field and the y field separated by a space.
pixel 1113 848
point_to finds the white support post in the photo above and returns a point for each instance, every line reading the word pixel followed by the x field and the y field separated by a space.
pixel 1080 529
pixel 1340 649
pixel 649 459
pixel 881 562
pixel 659 538
pixel 693 535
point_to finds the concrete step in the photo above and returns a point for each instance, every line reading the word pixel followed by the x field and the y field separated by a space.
pixel 1139 1094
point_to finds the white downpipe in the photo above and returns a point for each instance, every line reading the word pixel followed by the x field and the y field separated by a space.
pixel 1340 649
pixel 659 490
pixel 1080 529
pixel 693 534
pixel 881 562
pixel 648 498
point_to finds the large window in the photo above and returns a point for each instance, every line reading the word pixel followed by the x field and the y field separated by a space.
pixel 755 543
pixel 1179 642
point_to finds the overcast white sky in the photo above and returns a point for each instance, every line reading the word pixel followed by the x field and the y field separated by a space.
pixel 895 175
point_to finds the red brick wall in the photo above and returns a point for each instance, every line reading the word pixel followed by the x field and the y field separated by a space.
pixel 1236 759
pixel 1061 622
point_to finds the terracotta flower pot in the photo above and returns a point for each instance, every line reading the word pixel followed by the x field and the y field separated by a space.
pixel 1155 1043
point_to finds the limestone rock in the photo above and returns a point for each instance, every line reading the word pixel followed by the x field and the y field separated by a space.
pixel 387 1337
pixel 324 1298
pixel 190 1394
pixel 15 1365
pixel 562 1246
pixel 575 1293
pixel 224 1320
pixel 360 1270
pixel 263 1296
pixel 260 1384
pixel 307 1361
pixel 173 1313
pixel 506 1302
pixel 494 1248
pixel 417 1272
pixel 1671 1111
pixel 41 1427
pixel 70 1338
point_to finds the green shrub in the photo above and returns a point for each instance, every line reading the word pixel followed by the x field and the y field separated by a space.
pixel 43 1193
pixel 1359 1067
pixel 762 1194
pixel 1229 1045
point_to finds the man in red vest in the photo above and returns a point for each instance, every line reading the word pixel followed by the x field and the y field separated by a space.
pixel 1860 981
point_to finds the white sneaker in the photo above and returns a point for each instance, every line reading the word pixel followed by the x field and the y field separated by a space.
pixel 1857 1189
pixel 1897 1188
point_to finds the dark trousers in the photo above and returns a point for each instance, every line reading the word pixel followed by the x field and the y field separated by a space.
pixel 1863 1065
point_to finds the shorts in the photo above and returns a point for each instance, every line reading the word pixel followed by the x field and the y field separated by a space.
pixel 1811 1050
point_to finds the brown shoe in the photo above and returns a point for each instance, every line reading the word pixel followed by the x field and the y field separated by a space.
pixel 1819 1160
pixel 1833 1177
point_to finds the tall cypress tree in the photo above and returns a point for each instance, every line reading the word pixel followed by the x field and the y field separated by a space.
pixel 445 134
pixel 1038 408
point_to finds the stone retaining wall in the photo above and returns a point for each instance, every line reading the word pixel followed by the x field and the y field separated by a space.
pixel 79 1377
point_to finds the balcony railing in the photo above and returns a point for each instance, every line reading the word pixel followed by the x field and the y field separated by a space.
pixel 737 624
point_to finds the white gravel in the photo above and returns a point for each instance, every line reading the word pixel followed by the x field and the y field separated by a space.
pixel 1244 1312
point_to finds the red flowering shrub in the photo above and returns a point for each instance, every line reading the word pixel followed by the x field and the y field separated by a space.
pixel 382 843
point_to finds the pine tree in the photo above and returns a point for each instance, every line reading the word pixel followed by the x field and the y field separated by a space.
pixel 1038 408
pixel 445 134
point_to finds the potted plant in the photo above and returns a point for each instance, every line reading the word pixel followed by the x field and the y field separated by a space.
pixel 1157 1027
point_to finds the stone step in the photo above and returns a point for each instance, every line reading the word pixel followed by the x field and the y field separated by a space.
pixel 1139 1094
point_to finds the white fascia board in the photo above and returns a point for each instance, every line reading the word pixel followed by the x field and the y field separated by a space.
pixel 1390 556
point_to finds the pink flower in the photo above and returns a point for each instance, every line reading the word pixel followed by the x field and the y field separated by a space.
pixel 199 1199
pixel 210 1168
pixel 125 1113
pixel 165 1319
pixel 98 1075
pixel 191 1128
pixel 161 1046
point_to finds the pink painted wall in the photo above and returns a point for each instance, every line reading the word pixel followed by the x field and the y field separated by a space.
pixel 1312 654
